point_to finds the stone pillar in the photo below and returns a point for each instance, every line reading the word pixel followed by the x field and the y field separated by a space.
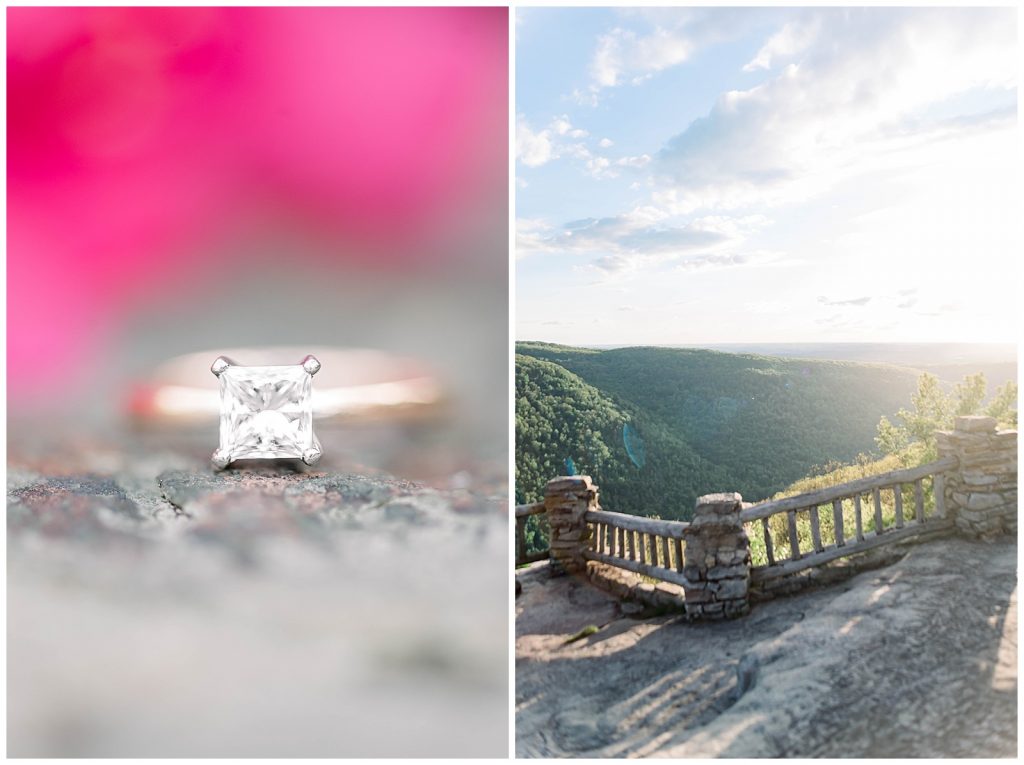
pixel 566 501
pixel 981 494
pixel 717 559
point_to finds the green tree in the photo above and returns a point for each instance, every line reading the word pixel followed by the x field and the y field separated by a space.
pixel 891 439
pixel 935 410
pixel 1004 405
pixel 970 394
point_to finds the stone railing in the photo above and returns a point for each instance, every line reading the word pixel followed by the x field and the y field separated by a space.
pixel 981 495
pixel 705 565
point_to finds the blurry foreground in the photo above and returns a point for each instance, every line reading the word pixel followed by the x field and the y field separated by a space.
pixel 155 609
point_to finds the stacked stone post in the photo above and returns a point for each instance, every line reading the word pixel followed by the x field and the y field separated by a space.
pixel 566 501
pixel 717 559
pixel 981 494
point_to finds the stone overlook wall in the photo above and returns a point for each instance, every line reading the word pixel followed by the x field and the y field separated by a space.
pixel 566 501
pixel 981 494
pixel 717 559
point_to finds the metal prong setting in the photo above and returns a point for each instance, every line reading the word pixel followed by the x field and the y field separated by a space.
pixel 220 459
pixel 219 365
pixel 311 364
pixel 311 456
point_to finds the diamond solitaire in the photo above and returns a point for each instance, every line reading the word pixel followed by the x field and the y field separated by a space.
pixel 266 412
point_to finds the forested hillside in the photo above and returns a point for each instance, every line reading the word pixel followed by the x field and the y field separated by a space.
pixel 565 425
pixel 656 423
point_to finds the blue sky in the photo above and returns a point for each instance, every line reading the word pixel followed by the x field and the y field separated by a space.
pixel 690 175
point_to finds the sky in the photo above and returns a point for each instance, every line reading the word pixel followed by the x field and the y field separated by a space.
pixel 689 175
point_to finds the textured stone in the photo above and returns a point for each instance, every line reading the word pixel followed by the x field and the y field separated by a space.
pixel 829 674
pixel 982 491
pixel 248 598
pixel 731 589
pixel 699 595
pixel 727 572
pixel 736 608
pixel 713 609
pixel 569 484
pixel 729 500
pixel 566 502
pixel 977 478
pixel 975 424
pixel 978 501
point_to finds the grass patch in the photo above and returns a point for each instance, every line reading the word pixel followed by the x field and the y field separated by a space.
pixel 587 631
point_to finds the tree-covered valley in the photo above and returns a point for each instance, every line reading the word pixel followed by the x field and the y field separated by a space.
pixel 658 427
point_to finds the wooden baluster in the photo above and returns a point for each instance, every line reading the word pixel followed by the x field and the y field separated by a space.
pixel 643 546
pixel 769 550
pixel 897 493
pixel 919 500
pixel 631 543
pixel 939 490
pixel 794 539
pixel 857 518
pixel 815 530
pixel 520 539
pixel 621 552
pixel 666 559
pixel 599 541
pixel 878 511
pixel 837 521
pixel 679 554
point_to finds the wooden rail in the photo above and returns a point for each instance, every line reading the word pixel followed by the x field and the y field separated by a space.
pixel 846 490
pixel 906 522
pixel 522 513
pixel 647 546
pixel 871 541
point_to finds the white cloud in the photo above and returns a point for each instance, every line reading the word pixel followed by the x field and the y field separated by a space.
pixel 640 161
pixel 857 302
pixel 562 126
pixel 533 148
pixel 622 53
pixel 598 166
pixel 716 261
pixel 855 99
pixel 629 242
pixel 605 143
pixel 651 40
pixel 560 138
pixel 794 37
pixel 532 236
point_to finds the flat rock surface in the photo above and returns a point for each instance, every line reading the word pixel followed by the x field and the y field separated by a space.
pixel 158 609
pixel 918 659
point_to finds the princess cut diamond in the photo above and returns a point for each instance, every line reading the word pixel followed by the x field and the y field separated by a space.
pixel 266 412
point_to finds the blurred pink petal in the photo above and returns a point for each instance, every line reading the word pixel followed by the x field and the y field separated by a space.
pixel 140 140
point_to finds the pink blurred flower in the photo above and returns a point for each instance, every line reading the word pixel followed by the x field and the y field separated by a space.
pixel 138 135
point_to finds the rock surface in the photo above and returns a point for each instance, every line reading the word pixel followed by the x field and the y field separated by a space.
pixel 158 609
pixel 916 659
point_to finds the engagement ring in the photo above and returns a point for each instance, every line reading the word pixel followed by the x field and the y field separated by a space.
pixel 267 402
